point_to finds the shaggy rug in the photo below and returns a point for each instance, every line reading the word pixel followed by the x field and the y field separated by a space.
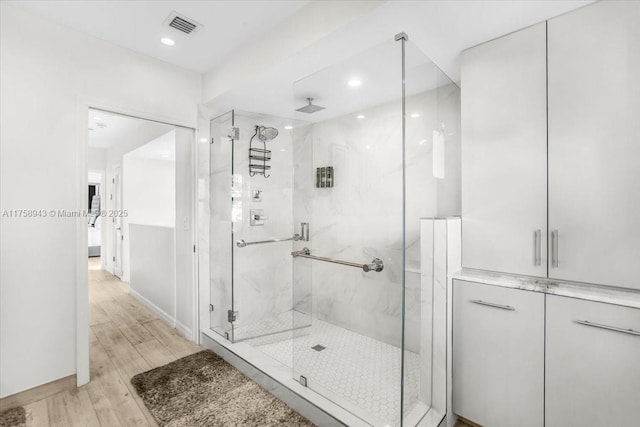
pixel 14 417
pixel 204 390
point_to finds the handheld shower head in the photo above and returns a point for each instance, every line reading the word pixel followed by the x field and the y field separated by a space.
pixel 267 134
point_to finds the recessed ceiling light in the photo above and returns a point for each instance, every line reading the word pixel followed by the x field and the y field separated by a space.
pixel 288 127
pixel 203 139
pixel 167 41
pixel 361 116
pixel 354 82
pixel 415 115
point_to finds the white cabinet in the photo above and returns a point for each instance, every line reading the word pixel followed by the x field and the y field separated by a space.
pixel 504 154
pixel 590 176
pixel 594 144
pixel 498 355
pixel 592 364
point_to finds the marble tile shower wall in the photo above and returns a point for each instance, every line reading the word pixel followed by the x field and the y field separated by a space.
pixel 262 273
pixel 360 218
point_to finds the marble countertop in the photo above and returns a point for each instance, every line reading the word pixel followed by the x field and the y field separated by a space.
pixel 606 294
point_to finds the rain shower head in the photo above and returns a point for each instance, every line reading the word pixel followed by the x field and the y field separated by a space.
pixel 310 108
pixel 267 134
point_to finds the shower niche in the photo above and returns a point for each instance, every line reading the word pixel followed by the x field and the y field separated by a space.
pixel 356 332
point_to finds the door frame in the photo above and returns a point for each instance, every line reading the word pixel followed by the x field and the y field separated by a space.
pixel 103 205
pixel 83 105
pixel 116 204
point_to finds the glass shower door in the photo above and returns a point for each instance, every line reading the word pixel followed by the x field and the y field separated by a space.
pixel 220 225
pixel 262 227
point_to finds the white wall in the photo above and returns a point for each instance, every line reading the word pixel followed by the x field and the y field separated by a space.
pixel 153 279
pixel 149 191
pixel 145 133
pixel 96 158
pixel 148 196
pixel 184 240
pixel 51 72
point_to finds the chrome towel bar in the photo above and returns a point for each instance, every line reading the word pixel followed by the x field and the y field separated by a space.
pixel 242 243
pixel 376 264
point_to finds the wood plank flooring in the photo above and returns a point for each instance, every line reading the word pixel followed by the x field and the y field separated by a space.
pixel 126 339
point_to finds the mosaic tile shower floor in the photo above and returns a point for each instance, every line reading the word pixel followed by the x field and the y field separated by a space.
pixel 361 370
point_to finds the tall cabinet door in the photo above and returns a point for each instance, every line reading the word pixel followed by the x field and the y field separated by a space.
pixel 594 144
pixel 504 149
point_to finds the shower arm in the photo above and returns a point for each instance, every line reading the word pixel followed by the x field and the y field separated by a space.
pixel 376 264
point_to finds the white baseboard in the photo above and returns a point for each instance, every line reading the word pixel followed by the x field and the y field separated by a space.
pixel 185 331
pixel 182 329
pixel 166 317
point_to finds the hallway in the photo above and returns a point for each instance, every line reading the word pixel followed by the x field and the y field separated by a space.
pixel 126 339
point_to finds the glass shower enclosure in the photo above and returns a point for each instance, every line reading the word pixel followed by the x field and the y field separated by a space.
pixel 315 229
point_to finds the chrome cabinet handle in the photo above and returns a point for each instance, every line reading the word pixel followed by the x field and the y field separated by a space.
pixel 607 327
pixel 490 304
pixel 554 248
pixel 537 247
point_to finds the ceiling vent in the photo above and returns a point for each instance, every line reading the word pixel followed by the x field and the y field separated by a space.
pixel 181 23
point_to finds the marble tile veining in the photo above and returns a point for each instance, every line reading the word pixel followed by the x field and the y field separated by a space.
pixel 611 295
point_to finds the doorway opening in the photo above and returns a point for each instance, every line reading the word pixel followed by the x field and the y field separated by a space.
pixel 139 216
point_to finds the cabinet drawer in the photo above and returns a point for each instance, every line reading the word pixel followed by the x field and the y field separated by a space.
pixel 498 355
pixel 592 364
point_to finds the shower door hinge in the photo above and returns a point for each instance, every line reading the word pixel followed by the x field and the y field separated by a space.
pixel 303 380
pixel 234 133
pixel 210 307
pixel 232 316
pixel 194 249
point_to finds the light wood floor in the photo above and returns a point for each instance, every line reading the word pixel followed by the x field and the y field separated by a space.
pixel 126 339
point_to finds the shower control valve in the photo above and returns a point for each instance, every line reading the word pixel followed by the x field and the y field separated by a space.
pixel 257 217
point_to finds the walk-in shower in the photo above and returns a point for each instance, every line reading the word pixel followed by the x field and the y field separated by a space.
pixel 319 268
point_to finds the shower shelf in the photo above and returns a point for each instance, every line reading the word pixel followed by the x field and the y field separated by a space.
pixel 258 158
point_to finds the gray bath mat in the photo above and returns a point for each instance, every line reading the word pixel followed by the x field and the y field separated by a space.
pixel 14 417
pixel 204 390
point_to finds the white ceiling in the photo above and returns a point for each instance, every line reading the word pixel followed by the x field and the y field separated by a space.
pixel 441 30
pixel 108 129
pixel 161 148
pixel 138 25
